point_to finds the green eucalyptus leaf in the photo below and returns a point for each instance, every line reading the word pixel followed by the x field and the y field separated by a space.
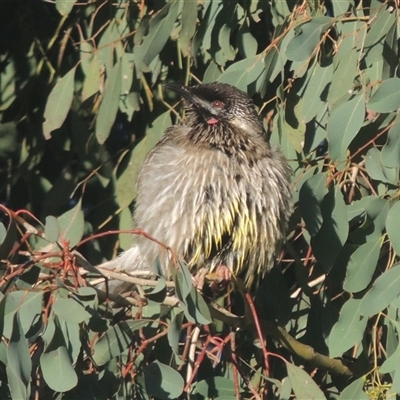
pixel 72 224
pixel 56 364
pixel 7 83
pixel 69 310
pixel 109 104
pixel 376 170
pixel 390 154
pixel 175 331
pixel 51 229
pixel 329 240
pixel 343 125
pixel 87 295
pixel 212 73
pixel 19 364
pixel 159 292
pixel 312 193
pixel 116 340
pixel 246 42
pixel 243 73
pixel 127 63
pixel 280 11
pixel 8 236
pixel 361 266
pixel 109 46
pixel 392 362
pixel 348 330
pixel 314 92
pixel 28 305
pixel 72 338
pixel 159 30
pixel 275 58
pixel 58 103
pixel 65 7
pixel 183 281
pixel 189 21
pixel 218 387
pixel 396 381
pixel 387 97
pixel 91 84
pixel 377 210
pixel 392 226
pixel 197 308
pixel 384 290
pixel 380 26
pixel 341 7
pixel 304 44
pixel 344 75
pixel 303 385
pixel 355 391
pixel 163 381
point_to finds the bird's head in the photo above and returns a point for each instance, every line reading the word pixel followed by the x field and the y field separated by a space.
pixel 219 107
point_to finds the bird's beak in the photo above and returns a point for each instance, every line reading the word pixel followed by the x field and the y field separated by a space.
pixel 185 92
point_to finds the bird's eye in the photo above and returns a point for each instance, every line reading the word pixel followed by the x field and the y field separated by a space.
pixel 219 105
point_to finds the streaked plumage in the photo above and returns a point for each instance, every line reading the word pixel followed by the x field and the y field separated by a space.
pixel 213 189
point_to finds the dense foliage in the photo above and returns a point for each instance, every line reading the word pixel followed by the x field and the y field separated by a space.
pixel 81 104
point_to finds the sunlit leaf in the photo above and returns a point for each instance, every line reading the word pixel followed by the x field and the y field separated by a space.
pixel 71 224
pixel 343 125
pixel 313 96
pixel 378 171
pixel 56 364
pixel 387 96
pixel 91 84
pixel 341 7
pixel 348 330
pixel 243 73
pixel 380 26
pixel 69 310
pixel 361 266
pixel 189 19
pixel 51 229
pixel 385 289
pixel 64 7
pixel 392 226
pixel 343 76
pixel 7 84
pixel 28 305
pixel 246 42
pixel 305 42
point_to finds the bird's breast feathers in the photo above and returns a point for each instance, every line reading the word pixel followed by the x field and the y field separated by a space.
pixel 212 210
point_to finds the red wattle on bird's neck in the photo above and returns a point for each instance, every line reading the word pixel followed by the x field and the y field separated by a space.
pixel 212 121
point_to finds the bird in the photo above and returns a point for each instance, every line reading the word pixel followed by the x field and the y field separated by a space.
pixel 212 189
